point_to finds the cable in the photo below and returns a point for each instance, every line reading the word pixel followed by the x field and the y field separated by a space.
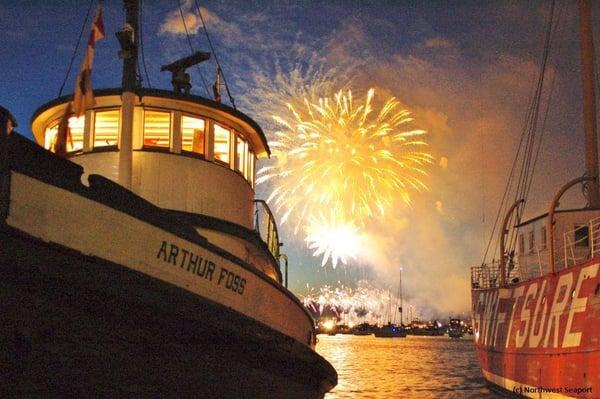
pixel 142 44
pixel 215 54
pixel 87 15
pixel 192 47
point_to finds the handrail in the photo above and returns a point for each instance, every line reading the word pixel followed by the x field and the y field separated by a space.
pixel 272 236
pixel 550 221
pixel 503 233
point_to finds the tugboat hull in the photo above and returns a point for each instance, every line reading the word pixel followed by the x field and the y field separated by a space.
pixel 103 293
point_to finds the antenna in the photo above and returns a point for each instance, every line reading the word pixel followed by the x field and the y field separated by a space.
pixel 180 79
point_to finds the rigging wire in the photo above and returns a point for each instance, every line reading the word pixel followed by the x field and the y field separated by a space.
pixel 87 15
pixel 526 175
pixel 142 44
pixel 189 40
pixel 215 54
pixel 527 136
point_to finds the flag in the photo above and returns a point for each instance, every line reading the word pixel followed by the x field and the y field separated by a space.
pixel 63 134
pixel 84 94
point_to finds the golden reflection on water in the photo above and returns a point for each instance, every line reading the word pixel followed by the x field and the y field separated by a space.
pixel 411 368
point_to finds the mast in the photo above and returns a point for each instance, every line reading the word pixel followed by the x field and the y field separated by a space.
pixel 401 318
pixel 589 102
pixel 128 38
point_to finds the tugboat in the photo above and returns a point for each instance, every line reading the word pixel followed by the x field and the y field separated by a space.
pixel 140 262
pixel 536 312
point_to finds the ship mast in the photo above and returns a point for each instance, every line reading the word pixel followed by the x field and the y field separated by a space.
pixel 589 102
pixel 128 39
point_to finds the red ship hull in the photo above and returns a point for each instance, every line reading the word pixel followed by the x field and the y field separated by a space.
pixel 541 338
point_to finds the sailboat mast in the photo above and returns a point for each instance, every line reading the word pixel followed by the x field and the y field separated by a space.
pixel 401 308
pixel 589 102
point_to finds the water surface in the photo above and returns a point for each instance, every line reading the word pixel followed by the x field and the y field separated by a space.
pixel 410 368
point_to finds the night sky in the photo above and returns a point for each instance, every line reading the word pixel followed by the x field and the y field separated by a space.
pixel 465 70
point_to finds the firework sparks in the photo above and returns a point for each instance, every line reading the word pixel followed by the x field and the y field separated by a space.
pixel 333 239
pixel 365 303
pixel 347 159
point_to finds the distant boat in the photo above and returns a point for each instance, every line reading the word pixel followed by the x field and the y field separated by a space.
pixel 455 329
pixel 430 329
pixel 363 329
pixel 390 331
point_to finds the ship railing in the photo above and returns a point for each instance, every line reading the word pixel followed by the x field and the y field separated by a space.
pixel 580 243
pixel 265 226
pixel 595 236
pixel 486 275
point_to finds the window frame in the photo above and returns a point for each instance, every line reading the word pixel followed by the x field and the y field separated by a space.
pixel 204 136
pixel 108 147
pixel 227 163
pixel 160 148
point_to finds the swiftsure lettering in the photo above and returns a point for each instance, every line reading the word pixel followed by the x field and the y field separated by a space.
pixel 538 314
pixel 200 266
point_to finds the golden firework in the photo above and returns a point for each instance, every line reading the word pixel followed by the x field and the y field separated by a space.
pixel 346 159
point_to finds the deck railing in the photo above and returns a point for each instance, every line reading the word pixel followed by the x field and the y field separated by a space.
pixel 265 226
pixel 578 245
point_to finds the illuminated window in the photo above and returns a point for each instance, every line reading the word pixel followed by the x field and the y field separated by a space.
pixel 222 140
pixel 157 129
pixel 106 128
pixel 74 138
pixel 250 169
pixel 192 134
pixel 241 155
pixel 50 136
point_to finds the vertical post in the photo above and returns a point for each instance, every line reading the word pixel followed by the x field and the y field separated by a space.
pixel 503 234
pixel 589 102
pixel 129 84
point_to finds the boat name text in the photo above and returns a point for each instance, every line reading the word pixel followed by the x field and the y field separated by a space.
pixel 538 314
pixel 201 267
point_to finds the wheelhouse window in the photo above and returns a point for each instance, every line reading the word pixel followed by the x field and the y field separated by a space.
pixel 222 143
pixel 250 169
pixel 241 155
pixel 192 134
pixel 106 128
pixel 157 129
pixel 74 134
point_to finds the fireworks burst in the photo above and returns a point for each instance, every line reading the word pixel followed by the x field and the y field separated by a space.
pixel 365 303
pixel 337 156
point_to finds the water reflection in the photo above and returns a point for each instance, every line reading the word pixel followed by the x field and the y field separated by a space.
pixel 413 367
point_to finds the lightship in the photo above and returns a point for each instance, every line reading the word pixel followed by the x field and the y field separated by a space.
pixel 536 312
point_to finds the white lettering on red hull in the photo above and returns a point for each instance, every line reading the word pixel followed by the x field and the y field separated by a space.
pixel 546 308
pixel 572 339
